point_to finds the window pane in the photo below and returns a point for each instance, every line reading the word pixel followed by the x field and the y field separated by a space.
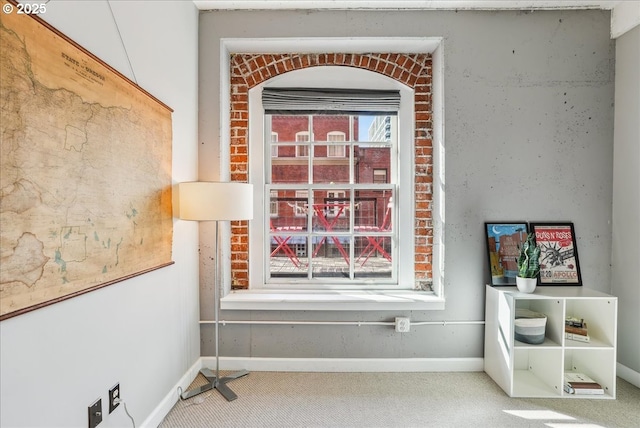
pixel 331 161
pixel 288 255
pixel 289 129
pixel 286 168
pixel 288 126
pixel 328 127
pixel 330 256
pixel 287 232
pixel 331 210
pixel 330 170
pixel 373 213
pixel 291 210
pixel 368 160
pixel 375 128
pixel 289 162
pixel 373 229
pixel 373 257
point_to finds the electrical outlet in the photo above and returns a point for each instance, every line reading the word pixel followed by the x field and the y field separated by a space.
pixel 114 393
pixel 403 324
pixel 95 413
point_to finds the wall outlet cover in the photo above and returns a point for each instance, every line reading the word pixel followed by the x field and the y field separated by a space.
pixel 95 413
pixel 403 324
pixel 114 393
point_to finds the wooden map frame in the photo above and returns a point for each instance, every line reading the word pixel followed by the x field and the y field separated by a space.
pixel 85 190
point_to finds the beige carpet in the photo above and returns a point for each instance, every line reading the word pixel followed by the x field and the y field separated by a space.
pixel 271 399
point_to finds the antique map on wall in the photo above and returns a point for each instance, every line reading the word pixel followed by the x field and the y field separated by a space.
pixel 85 185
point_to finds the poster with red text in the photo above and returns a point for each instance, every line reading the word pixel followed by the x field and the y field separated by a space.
pixel 558 253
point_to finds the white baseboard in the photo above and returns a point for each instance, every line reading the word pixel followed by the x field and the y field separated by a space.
pixel 172 397
pixel 347 364
pixel 630 375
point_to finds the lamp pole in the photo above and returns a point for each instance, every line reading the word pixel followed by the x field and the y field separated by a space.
pixel 206 201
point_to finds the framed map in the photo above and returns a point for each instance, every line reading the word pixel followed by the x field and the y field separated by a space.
pixel 85 185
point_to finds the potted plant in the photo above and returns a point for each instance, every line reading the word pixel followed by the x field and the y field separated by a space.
pixel 528 265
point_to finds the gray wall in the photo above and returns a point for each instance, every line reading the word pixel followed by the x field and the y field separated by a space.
pixel 529 136
pixel 626 198
pixel 143 332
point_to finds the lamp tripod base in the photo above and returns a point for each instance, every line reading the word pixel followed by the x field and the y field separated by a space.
pixel 213 382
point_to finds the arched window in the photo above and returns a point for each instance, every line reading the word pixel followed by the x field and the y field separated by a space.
pixel 350 230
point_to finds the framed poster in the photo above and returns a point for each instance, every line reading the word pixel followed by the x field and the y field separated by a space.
pixel 558 253
pixel 503 244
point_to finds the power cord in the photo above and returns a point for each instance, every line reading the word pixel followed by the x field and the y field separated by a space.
pixel 118 401
pixel 198 400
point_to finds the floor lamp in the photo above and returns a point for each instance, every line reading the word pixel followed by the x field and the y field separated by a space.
pixel 210 201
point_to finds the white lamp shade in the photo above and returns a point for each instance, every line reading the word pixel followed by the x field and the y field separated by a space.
pixel 204 200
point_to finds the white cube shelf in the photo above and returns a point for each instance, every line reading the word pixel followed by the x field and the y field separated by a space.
pixel 526 370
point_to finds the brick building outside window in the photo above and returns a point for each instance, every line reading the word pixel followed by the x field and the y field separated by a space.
pixel 339 155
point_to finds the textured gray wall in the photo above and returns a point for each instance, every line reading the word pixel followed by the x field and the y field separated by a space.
pixel 528 136
pixel 626 198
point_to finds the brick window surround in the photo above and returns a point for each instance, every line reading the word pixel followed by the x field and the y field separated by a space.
pixel 413 70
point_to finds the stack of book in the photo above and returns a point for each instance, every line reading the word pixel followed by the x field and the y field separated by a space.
pixel 576 329
pixel 581 384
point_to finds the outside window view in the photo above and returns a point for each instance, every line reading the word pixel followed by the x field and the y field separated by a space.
pixel 331 197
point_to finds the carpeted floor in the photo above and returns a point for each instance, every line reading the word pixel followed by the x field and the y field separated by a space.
pixel 273 399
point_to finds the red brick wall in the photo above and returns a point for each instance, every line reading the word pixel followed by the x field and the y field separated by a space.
pixel 413 70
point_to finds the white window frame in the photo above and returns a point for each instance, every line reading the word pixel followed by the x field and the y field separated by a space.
pixel 327 76
pixel 255 299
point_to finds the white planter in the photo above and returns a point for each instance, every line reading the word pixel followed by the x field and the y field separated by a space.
pixel 526 285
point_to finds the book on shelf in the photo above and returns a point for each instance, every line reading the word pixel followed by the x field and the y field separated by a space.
pixel 583 391
pixel 574 322
pixel 581 384
pixel 576 330
pixel 573 332
pixel 577 337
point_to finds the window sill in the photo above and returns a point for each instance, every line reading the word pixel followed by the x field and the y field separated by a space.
pixel 344 300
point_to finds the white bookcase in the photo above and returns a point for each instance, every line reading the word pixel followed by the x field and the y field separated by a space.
pixel 525 370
